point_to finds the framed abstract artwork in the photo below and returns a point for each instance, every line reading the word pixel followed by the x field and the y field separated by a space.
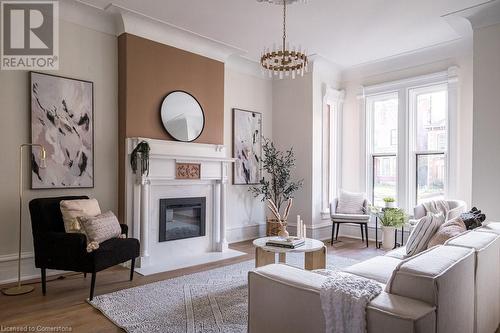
pixel 62 120
pixel 247 147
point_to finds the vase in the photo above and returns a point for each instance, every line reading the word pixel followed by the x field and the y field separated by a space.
pixel 283 232
pixel 388 239
pixel 391 204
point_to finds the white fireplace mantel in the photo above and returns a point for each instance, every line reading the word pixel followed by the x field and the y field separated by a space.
pixel 144 191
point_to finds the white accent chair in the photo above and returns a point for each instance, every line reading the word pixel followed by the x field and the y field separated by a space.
pixel 338 219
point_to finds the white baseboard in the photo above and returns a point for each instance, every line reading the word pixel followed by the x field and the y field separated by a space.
pixel 8 268
pixel 247 232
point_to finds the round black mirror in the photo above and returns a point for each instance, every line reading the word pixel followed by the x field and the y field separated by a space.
pixel 182 116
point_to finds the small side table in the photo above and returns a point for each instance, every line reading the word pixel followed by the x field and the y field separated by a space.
pixel 396 244
pixel 314 250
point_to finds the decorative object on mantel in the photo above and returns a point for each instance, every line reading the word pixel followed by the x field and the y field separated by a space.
pixel 278 189
pixel 285 61
pixel 20 289
pixel 389 202
pixel 187 170
pixel 182 116
pixel 140 154
pixel 62 121
pixel 390 219
pixel 247 147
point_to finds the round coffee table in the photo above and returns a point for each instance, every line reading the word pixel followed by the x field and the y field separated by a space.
pixel 315 253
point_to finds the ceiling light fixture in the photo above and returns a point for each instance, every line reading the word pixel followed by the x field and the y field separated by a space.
pixel 285 62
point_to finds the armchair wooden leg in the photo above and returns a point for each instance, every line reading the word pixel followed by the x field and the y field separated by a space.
pixel 44 281
pixel 333 231
pixel 92 285
pixel 366 234
pixel 362 233
pixel 337 232
pixel 132 266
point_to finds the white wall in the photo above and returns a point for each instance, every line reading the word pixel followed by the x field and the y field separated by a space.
pixel 293 127
pixel 84 54
pixel 419 63
pixel 486 159
pixel 245 214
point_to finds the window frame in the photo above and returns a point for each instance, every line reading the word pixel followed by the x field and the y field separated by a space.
pixel 406 159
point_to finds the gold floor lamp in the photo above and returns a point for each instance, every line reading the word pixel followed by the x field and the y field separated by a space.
pixel 20 289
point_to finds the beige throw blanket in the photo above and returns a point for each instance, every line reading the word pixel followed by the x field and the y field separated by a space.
pixel 437 206
pixel 344 298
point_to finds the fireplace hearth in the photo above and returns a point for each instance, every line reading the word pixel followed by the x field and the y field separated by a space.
pixel 182 218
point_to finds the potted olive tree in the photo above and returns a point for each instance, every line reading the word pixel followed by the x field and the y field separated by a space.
pixel 277 187
pixel 390 219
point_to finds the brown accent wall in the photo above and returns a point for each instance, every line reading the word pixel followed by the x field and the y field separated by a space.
pixel 148 71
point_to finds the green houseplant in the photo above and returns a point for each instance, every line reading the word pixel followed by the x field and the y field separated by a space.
pixel 390 202
pixel 277 187
pixel 390 219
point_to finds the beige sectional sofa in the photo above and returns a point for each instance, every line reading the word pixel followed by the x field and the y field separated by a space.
pixel 449 288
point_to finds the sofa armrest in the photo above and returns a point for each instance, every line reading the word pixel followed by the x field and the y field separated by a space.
pixel 124 229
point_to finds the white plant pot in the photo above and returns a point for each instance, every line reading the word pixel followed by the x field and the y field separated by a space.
pixel 388 237
pixel 390 205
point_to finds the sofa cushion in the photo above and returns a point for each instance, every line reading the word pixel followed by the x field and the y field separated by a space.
pixel 398 253
pixel 493 227
pixel 473 240
pixel 422 233
pixel 378 268
pixel 350 217
pixel 351 203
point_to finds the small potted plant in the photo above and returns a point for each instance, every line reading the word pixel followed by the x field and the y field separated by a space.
pixel 278 187
pixel 390 219
pixel 390 202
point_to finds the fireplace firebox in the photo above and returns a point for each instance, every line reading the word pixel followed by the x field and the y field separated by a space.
pixel 182 218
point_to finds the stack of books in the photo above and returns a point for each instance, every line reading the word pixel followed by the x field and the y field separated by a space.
pixel 288 243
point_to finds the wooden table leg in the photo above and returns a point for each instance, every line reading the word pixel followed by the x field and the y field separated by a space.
pixel 282 257
pixel 316 259
pixel 263 257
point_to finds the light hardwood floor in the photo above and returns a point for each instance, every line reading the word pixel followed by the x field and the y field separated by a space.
pixel 65 305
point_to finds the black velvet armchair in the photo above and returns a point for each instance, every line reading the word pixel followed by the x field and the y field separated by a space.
pixel 56 249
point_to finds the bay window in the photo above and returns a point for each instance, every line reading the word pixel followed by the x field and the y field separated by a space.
pixel 408 138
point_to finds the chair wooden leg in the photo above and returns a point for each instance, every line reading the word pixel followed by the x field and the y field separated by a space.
pixel 366 234
pixel 132 266
pixel 362 233
pixel 44 281
pixel 337 232
pixel 333 231
pixel 92 286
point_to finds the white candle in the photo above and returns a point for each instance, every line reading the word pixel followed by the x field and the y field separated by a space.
pixel 304 230
pixel 299 229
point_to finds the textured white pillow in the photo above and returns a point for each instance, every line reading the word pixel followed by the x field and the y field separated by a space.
pixel 351 203
pixel 71 209
pixel 425 228
pixel 100 228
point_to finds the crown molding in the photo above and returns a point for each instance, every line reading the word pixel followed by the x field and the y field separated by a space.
pixel 86 15
pixel 133 22
pixel 481 15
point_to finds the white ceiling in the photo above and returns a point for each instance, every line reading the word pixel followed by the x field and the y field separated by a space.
pixel 347 32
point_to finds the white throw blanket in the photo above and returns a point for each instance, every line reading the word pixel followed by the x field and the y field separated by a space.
pixel 436 207
pixel 344 298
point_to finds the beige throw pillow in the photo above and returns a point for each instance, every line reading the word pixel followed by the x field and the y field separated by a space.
pixel 450 229
pixel 100 228
pixel 71 209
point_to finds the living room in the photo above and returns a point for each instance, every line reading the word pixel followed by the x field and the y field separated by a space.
pixel 252 165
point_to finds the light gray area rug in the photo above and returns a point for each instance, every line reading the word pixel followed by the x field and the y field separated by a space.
pixel 209 301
